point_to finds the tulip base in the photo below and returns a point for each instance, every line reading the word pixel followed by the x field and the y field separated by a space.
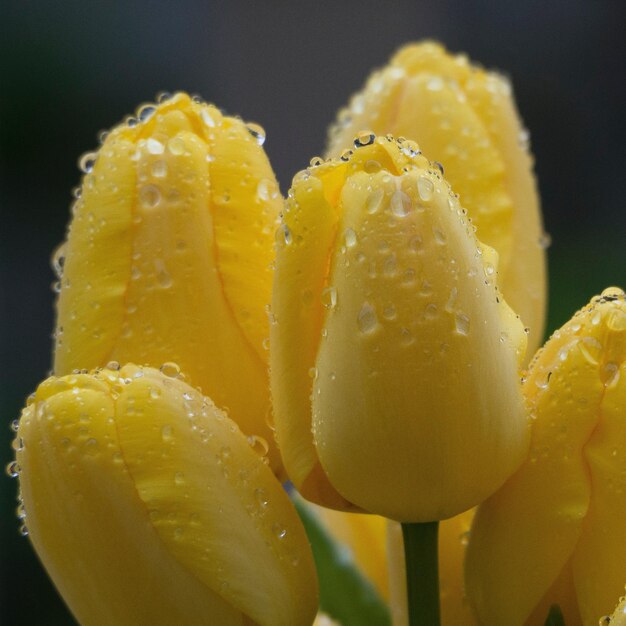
pixel 422 573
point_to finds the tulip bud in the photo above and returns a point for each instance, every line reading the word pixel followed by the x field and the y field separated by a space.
pixel 394 358
pixel 555 532
pixel 148 506
pixel 465 118
pixel 168 256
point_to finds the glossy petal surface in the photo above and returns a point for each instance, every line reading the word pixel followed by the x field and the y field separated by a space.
pixel 465 118
pixel 147 505
pixel 168 257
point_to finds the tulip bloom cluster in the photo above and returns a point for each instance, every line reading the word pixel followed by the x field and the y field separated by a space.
pixel 365 338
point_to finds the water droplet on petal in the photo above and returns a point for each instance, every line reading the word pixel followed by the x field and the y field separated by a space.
pixel 176 146
pixel 170 369
pixel 364 138
pixel 87 161
pixel 374 200
pixel 425 188
pixel 166 433
pixel 462 323
pixel 401 204
pixel 58 260
pixel 367 320
pixel 146 112
pixel 329 297
pixel 350 238
pixel 13 469
pixel 150 196
pixel 258 132
pixel 159 169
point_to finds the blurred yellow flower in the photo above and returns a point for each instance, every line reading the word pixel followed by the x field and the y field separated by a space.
pixel 168 256
pixel 465 118
pixel 394 357
pixel 147 505
pixel 555 532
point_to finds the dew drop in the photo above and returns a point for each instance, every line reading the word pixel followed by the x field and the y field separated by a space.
pixel 153 146
pixel 150 196
pixel 364 138
pixel 279 531
pixel 425 188
pixel 610 375
pixel 313 372
pixel 401 204
pixel 176 146
pixel 170 369
pixel 113 365
pixel 316 161
pixel 367 320
pixel 258 444
pixel 211 117
pixel 545 240
pixel 283 235
pixel 166 433
pixel 162 275
pixel 350 238
pixel 462 323
pixel 146 112
pixel 329 297
pixel 439 235
pixel 258 132
pixel 179 478
pixel 260 495
pixel 374 201
pixel 159 169
pixel 58 260
pixel 263 189
pixel 87 161
pixel 13 469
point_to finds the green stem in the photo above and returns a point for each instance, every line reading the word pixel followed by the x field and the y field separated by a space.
pixel 422 573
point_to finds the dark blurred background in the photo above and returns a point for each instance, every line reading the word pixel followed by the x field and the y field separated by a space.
pixel 69 69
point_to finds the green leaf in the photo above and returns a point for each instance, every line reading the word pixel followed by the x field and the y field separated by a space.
pixel 555 617
pixel 345 594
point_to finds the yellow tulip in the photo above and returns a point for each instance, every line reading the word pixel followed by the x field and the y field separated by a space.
pixel 619 616
pixel 555 532
pixel 168 256
pixel 453 535
pixel 394 359
pixel 147 505
pixel 465 118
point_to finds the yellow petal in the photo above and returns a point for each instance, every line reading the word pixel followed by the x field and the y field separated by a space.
pixel 465 118
pixel 168 257
pixel 136 488
pixel 402 340
pixel 453 534
pixel 561 503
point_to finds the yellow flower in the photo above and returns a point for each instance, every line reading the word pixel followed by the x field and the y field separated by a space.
pixel 394 359
pixel 148 506
pixel 168 256
pixel 465 118
pixel 453 536
pixel 555 532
